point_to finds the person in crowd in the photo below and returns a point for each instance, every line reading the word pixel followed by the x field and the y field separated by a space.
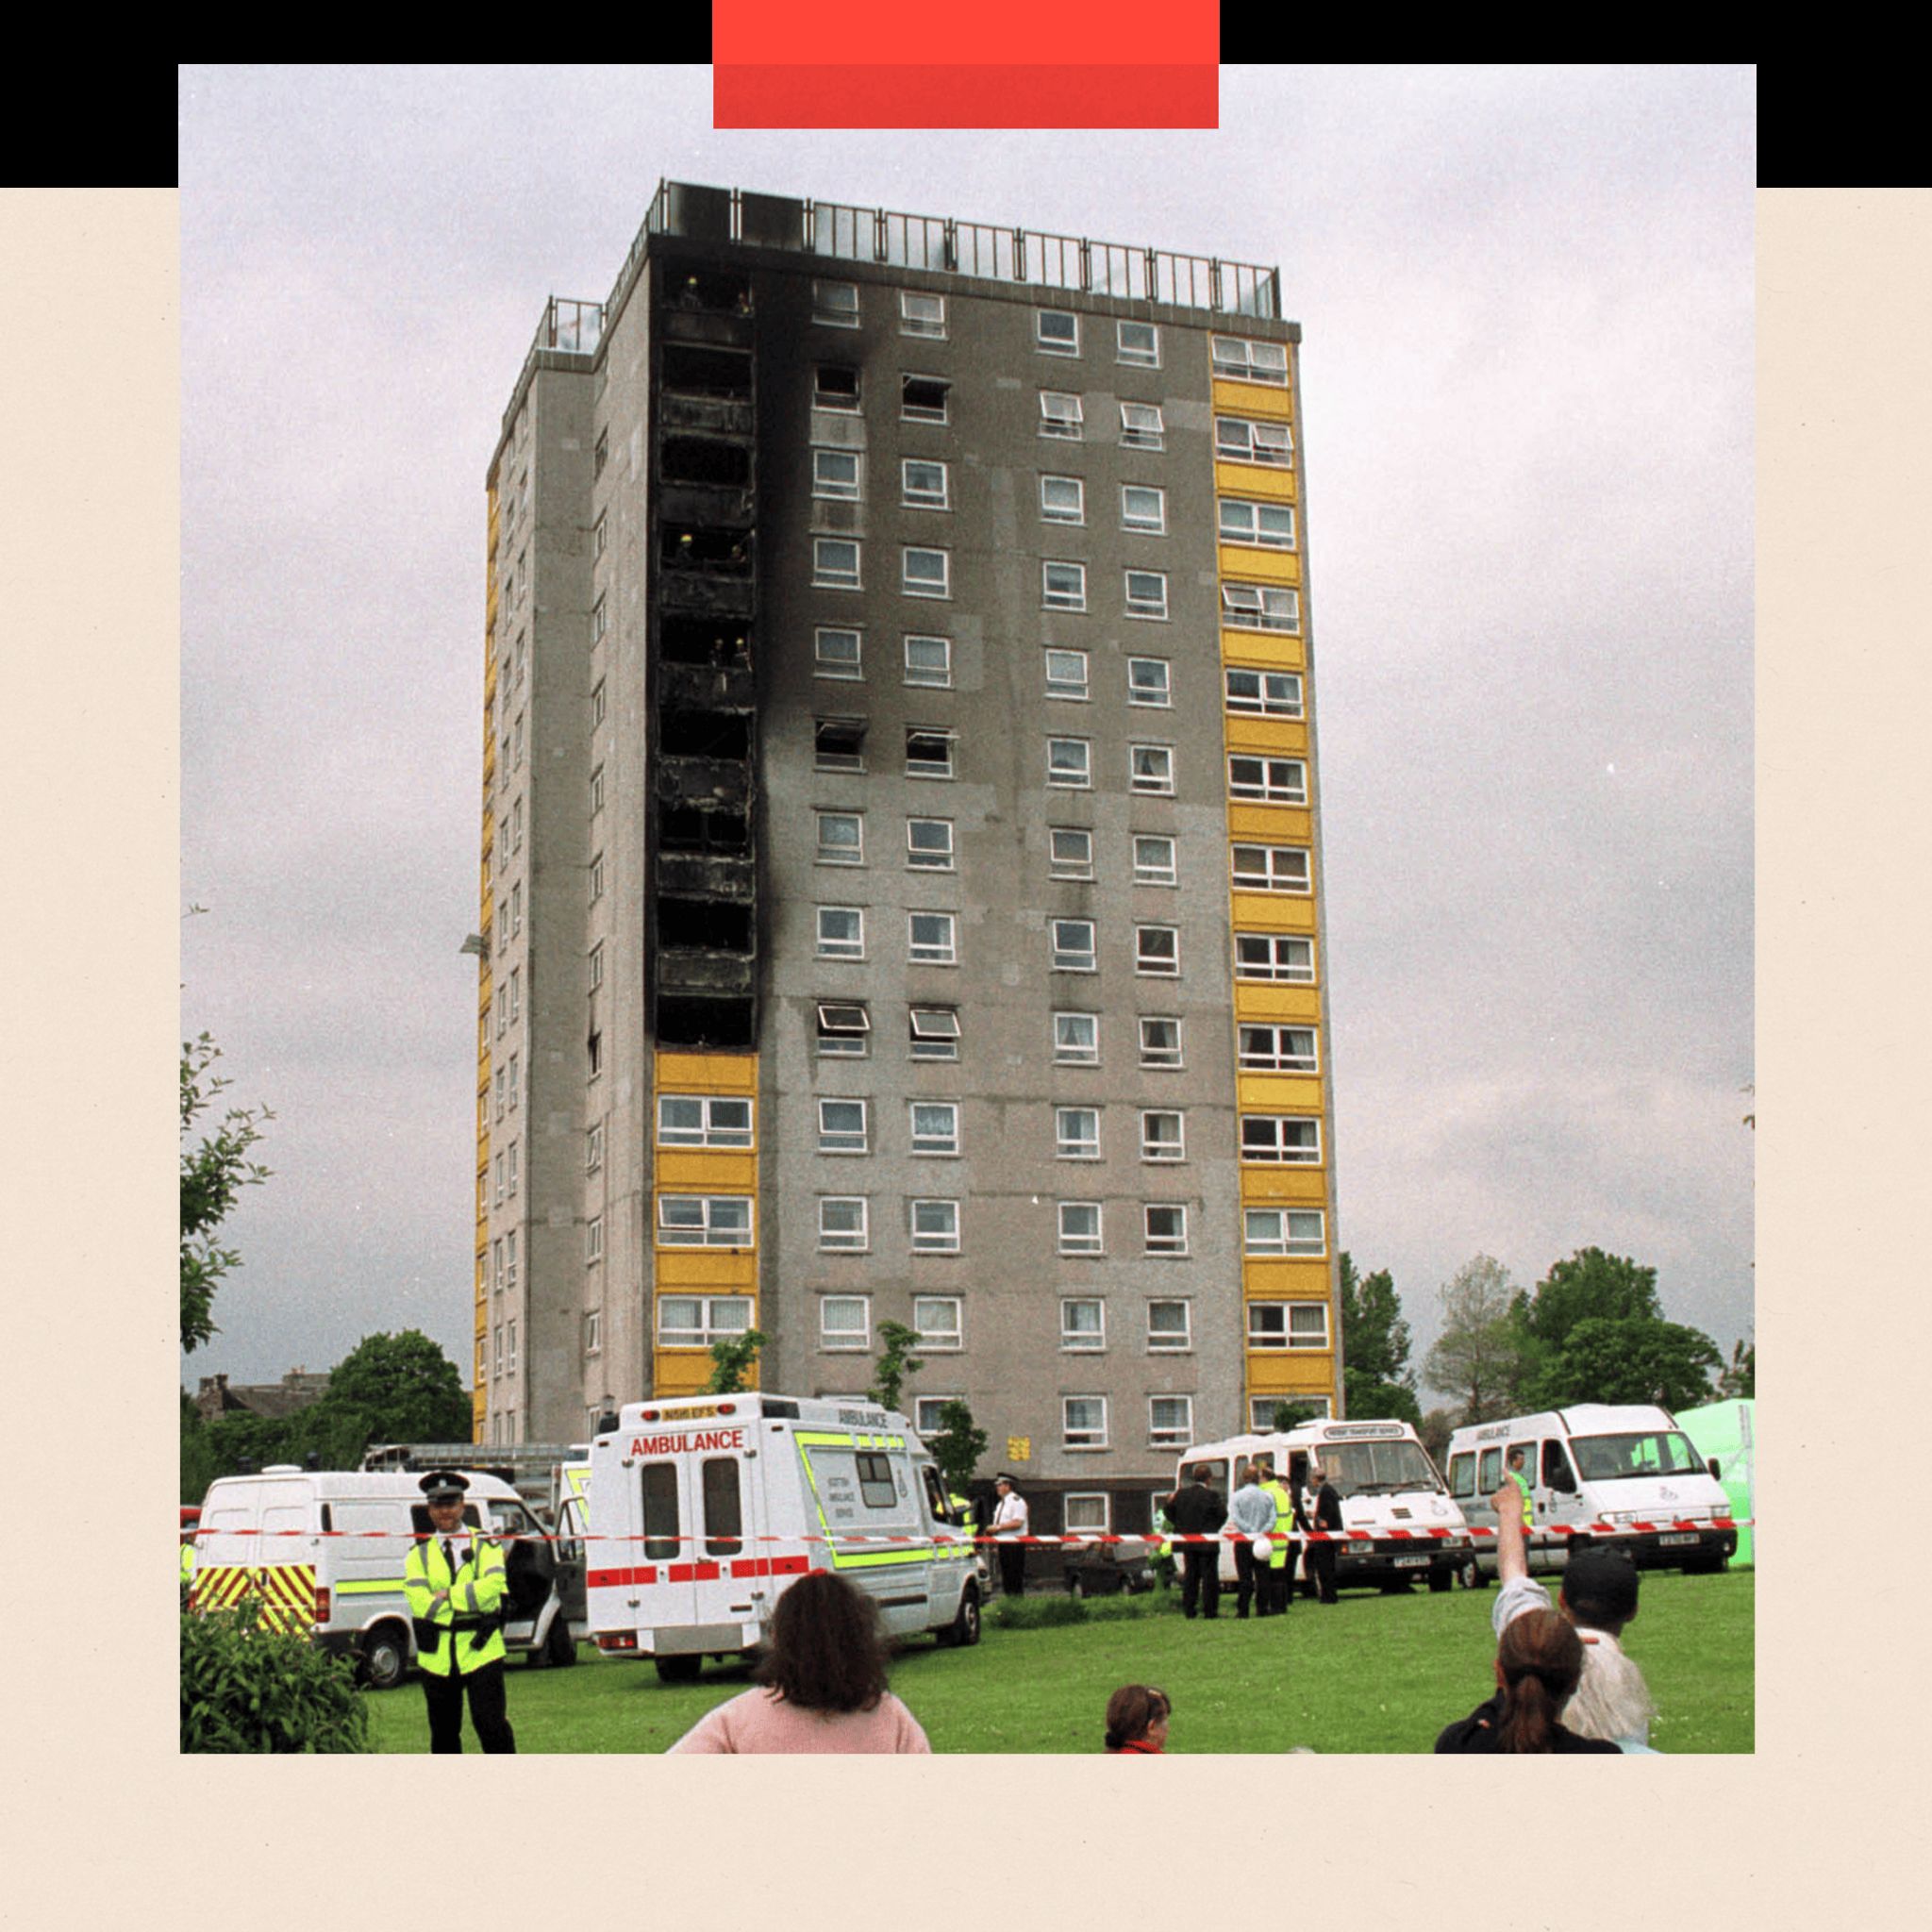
pixel 1327 1514
pixel 1137 1716
pixel 1251 1511
pixel 1010 1526
pixel 1196 1511
pixel 1521 1499
pixel 822 1683
pixel 1277 1579
pixel 455 1581
pixel 1538 1664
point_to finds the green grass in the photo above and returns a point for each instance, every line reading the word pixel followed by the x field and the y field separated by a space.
pixel 1374 1673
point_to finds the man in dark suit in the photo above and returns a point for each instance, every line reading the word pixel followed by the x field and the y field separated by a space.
pixel 1194 1509
pixel 1321 1558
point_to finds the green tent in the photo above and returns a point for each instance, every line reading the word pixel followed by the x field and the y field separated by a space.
pixel 1727 1430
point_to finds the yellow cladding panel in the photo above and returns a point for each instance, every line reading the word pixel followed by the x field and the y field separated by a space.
pixel 682 1169
pixel 680 1371
pixel 734 1269
pixel 1278 737
pixel 1255 1001
pixel 1278 1092
pixel 1273 911
pixel 1262 650
pixel 1267 1186
pixel 1273 481
pixel 707 1073
pixel 1272 825
pixel 1271 1279
pixel 1291 1371
pixel 1244 563
pixel 1252 398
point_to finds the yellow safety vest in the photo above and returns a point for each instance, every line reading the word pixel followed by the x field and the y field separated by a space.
pixel 465 1631
pixel 1528 1508
pixel 1284 1525
pixel 187 1564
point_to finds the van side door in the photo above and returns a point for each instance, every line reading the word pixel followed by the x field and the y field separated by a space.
pixel 1562 1493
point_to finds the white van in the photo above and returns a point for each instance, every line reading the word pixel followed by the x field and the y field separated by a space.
pixel 1389 1488
pixel 1596 1463
pixel 703 1510
pixel 323 1551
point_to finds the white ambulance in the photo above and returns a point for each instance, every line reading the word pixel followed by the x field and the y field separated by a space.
pixel 323 1551
pixel 1596 1463
pixel 1390 1491
pixel 702 1509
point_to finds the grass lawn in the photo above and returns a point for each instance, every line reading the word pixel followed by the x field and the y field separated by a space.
pixel 1380 1674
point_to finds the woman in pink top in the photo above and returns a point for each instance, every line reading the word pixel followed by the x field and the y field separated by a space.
pixel 824 1682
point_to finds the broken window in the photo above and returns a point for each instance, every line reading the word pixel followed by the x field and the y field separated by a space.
pixel 703 460
pixel 713 925
pixel 928 753
pixel 685 1022
pixel 839 744
pixel 705 735
pixel 701 641
pixel 685 546
pixel 705 371
pixel 688 828
pixel 834 387
pixel 922 399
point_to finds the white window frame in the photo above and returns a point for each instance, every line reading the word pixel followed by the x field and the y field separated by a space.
pixel 827 652
pixel 1150 770
pixel 1280 947
pixel 1061 867
pixel 598 703
pixel 837 400
pixel 1081 1226
pixel 1261 606
pixel 1087 1513
pixel 1142 426
pixel 942 1339
pixel 833 852
pixel 1070 1138
pixel 1272 1231
pixel 593 1241
pixel 844 1241
pixel 707 1230
pixel 936 676
pixel 716 1125
pixel 1073 771
pixel 846 1337
pixel 1265 1047
pixel 1063 415
pixel 1148 603
pixel 930 858
pixel 1268 446
pixel 828 1011
pixel 593 1331
pixel 910 586
pixel 910 411
pixel 1309 1335
pixel 826 574
pixel 1057 343
pixel 932 1032
pixel 932 324
pixel 1051 514
pixel 1087 1436
pixel 923 766
pixel 829 486
pixel 1070 957
pixel 1247 359
pixel 1274 1147
pixel 1154 954
pixel 942 1237
pixel 925 1414
pixel 1074 1340
pixel 1058 663
pixel 1180 1430
pixel 1150 869
pixel 848 1138
pixel 941 945
pixel 1238 521
pixel 1149 523
pixel 832 944
pixel 933 1144
pixel 1278 693
pixel 1175 1243
pixel 1072 594
pixel 914 498
pixel 1136 357
pixel 1157 694
pixel 1166 1057
pixel 824 760
pixel 1067 1049
pixel 1270 869
pixel 596 790
pixel 1267 780
pixel 829 306
pixel 1156 1149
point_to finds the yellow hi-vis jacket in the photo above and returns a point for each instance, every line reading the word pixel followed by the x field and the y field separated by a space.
pixel 1528 1508
pixel 1284 1525
pixel 458 1618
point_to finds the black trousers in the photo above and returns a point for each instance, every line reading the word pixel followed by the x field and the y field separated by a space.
pixel 445 1697
pixel 1202 1579
pixel 1013 1567
pixel 1277 1581
pixel 1250 1578
pixel 1322 1570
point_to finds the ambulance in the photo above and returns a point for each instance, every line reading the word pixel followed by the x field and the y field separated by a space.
pixel 323 1551
pixel 1596 1462
pixel 703 1510
pixel 1391 1492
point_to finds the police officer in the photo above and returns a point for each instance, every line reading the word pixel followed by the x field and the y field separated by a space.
pixel 1278 1581
pixel 455 1580
pixel 1522 1482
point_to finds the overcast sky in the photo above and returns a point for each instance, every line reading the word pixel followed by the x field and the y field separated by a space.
pixel 1526 378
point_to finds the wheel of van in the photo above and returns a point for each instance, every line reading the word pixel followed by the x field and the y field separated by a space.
pixel 561 1647
pixel 680 1670
pixel 384 1658
pixel 963 1631
pixel 1469 1573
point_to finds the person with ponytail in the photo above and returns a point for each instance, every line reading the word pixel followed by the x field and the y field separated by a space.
pixel 1539 1663
pixel 1137 1718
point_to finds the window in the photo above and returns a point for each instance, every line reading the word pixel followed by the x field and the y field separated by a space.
pixel 512 1363
pixel 1066 674
pixel 1073 945
pixel 1238 359
pixel 1137 342
pixel 1154 859
pixel 1272 781
pixel 516 826
pixel 922 399
pixel 931 939
pixel 496 1264
pixel 1158 949
pixel 513 1083
pixel 936 1127
pixel 596 790
pixel 835 475
pixel 509 1262
pixel 845 1321
pixel 1056 331
pixel 933 1032
pixel 1162 1136
pixel 935 1227
pixel 593 1049
pixel 696 1120
pixel 1070 851
pixel 927 1418
pixel 930 844
pixel 593 1331
pixel 1150 682
pixel 1150 768
pixel 1086 1515
pixel 1161 1042
pixel 842 932
pixel 512 1170
pixel 841 837
pixel 1267 526
pixel 1076 1038
pixel 1144 507
pixel 929 660
pixel 922 315
pixel 923 484
pixel 600 622
pixel 704 1221
pixel 514 994
pixel 1147 594
pixel 1260 607
pixel 834 389
pixel 1274 956
pixel 1083 1322
pixel 1281 1138
pixel 597 704
pixel 1270 869
pixel 516 909
pixel 599 533
pixel 842 1127
pixel 1077 1133
pixel 928 753
pixel 839 744
pixel 1170 1421
pixel 601 454
pixel 937 1318
pixel 499 1180
pixel 835 304
pixel 594 1149
pixel 1141 427
pixel 842 1028
pixel 835 563
pixel 1279 1049
pixel 594 1240
pixel 1062 500
pixel 1080 1227
pixel 1284 1231
pixel 1268 693
pixel 1237 441
pixel 1288 1324
pixel 1060 414
pixel 1083 1421
pixel 1069 762
pixel 926 573
pixel 696 1321
pixel 843 1223
pixel 1165 1229
pixel 1063 586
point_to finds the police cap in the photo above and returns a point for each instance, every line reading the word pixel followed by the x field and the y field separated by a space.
pixel 443 1486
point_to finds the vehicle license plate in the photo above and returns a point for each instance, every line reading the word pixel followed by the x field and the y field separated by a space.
pixel 1411 1562
pixel 1689 1538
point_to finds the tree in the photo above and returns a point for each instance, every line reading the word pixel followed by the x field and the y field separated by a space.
pixel 1377 1380
pixel 731 1362
pixel 1589 1285
pixel 1634 1359
pixel 958 1447
pixel 1478 1356
pixel 1435 1429
pixel 896 1364
pixel 213 1173
pixel 1291 1415
pixel 1738 1380
pixel 387 1388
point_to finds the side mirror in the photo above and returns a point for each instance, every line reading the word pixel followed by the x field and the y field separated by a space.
pixel 1712 1463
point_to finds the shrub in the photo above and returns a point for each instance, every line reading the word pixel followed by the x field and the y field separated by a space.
pixel 244 1689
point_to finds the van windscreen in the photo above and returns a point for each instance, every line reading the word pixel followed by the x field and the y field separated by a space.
pixel 1367 1468
pixel 1653 1452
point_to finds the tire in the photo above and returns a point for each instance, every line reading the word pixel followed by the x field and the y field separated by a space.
pixel 1441 1577
pixel 1704 1566
pixel 680 1670
pixel 1469 1573
pixel 384 1658
pixel 962 1633
pixel 561 1647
